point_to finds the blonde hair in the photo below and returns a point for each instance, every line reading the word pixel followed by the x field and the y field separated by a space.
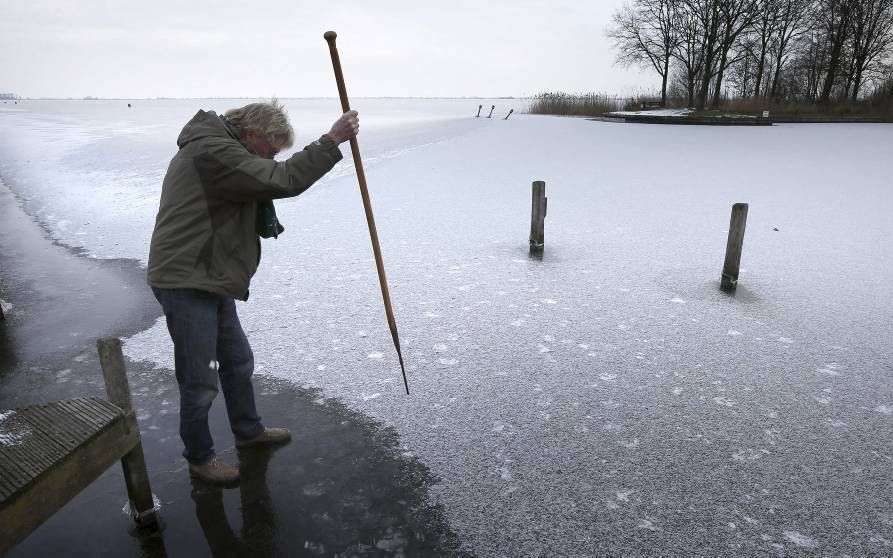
pixel 266 119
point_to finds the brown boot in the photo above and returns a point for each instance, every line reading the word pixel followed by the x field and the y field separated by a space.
pixel 270 436
pixel 215 471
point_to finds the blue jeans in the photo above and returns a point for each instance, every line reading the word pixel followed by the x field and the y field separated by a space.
pixel 209 343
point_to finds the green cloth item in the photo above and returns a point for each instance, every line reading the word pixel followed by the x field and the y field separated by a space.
pixel 268 224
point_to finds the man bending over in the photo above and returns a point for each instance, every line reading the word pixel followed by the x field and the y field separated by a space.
pixel 216 204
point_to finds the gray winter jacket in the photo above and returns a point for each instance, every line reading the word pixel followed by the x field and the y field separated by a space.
pixel 206 233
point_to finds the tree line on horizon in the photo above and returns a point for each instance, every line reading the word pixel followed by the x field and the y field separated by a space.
pixel 815 51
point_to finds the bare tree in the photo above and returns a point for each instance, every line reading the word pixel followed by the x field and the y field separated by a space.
pixel 645 33
pixel 743 75
pixel 815 60
pixel 791 25
pixel 872 32
pixel 689 52
pixel 807 49
pixel 707 13
pixel 736 16
pixel 765 28
pixel 834 18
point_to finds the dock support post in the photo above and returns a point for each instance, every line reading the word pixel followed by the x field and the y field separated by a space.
pixel 478 115
pixel 538 217
pixel 509 114
pixel 733 247
pixel 136 477
pixel 491 111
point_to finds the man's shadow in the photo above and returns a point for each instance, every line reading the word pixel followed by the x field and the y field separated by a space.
pixel 258 518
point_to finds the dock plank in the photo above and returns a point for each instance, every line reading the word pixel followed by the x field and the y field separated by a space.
pixel 50 452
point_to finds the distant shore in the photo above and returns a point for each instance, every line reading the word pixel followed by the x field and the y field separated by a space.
pixel 648 109
pixel 725 118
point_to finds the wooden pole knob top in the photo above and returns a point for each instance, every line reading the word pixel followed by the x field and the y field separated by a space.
pixel 329 36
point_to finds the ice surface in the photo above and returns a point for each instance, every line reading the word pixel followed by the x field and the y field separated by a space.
pixel 613 365
pixel 800 540
pixel 12 433
pixel 99 154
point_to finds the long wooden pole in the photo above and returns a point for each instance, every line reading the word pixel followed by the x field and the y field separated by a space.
pixel 330 36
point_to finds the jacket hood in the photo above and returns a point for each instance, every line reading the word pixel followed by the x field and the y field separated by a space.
pixel 205 124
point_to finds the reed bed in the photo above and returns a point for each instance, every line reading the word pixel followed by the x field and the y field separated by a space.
pixel 575 104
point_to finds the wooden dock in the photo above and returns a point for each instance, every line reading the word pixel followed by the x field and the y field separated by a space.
pixel 50 452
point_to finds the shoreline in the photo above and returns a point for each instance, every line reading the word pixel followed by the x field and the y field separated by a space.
pixel 692 121
pixel 44 359
pixel 730 119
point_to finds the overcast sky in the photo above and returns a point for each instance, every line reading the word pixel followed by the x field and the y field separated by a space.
pixel 161 48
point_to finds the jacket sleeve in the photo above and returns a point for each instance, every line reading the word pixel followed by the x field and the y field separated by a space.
pixel 230 172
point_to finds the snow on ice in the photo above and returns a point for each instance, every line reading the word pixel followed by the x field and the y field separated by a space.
pixel 628 238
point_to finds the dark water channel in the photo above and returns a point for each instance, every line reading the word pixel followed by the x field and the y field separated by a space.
pixel 340 487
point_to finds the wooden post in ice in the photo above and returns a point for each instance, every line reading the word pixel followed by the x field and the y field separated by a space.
pixel 478 115
pixel 509 114
pixel 491 111
pixel 733 247
pixel 111 358
pixel 538 217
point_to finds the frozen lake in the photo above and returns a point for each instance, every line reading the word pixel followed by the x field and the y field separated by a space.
pixel 607 397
